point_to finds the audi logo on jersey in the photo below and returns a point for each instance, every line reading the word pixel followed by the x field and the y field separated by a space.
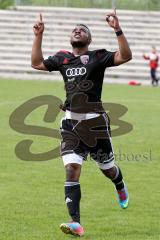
pixel 73 72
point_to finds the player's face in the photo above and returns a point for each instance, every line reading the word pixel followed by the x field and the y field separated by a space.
pixel 80 37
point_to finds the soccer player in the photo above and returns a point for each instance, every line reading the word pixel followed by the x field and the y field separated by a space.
pixel 85 127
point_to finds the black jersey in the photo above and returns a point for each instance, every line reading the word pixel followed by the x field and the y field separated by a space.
pixel 83 77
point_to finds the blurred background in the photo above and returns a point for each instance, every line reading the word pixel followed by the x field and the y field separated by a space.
pixel 139 20
pixel 32 198
pixel 133 5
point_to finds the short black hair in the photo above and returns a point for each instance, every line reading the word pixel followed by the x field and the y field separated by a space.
pixel 83 25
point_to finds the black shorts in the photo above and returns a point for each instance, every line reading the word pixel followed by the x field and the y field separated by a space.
pixel 88 137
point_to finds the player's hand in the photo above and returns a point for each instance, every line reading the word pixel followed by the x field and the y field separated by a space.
pixel 113 21
pixel 38 27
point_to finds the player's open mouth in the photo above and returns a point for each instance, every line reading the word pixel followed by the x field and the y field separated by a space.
pixel 77 36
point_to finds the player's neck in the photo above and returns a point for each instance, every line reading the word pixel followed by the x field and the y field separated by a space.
pixel 79 51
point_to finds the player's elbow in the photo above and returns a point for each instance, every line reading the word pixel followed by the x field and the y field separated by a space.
pixel 128 57
pixel 36 66
pixel 121 58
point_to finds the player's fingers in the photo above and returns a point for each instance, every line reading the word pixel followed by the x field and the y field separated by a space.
pixel 40 17
pixel 35 26
pixel 113 16
pixel 107 18
pixel 110 15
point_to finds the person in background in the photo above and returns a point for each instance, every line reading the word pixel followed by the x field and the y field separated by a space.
pixel 153 63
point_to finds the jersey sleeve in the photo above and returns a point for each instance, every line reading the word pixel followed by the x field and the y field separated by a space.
pixel 106 58
pixel 52 63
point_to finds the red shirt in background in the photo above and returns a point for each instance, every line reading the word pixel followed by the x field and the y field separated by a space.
pixel 153 60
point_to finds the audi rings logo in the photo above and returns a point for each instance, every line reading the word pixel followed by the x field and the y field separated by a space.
pixel 73 72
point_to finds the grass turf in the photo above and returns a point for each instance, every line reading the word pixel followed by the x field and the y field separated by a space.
pixel 32 200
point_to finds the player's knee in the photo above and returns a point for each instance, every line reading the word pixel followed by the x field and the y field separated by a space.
pixel 110 173
pixel 73 172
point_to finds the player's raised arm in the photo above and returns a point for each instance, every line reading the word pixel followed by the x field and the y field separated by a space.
pixel 124 53
pixel 37 56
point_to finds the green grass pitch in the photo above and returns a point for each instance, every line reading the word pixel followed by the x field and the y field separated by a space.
pixel 31 193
